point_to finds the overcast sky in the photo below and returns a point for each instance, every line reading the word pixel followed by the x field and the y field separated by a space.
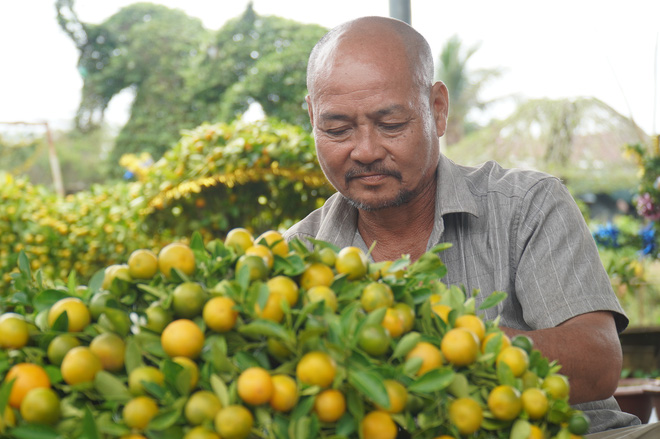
pixel 553 49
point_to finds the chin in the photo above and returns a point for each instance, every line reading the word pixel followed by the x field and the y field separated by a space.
pixel 372 205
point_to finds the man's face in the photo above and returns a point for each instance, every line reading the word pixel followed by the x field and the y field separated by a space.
pixel 375 131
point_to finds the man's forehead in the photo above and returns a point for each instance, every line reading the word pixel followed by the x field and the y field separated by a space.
pixel 358 75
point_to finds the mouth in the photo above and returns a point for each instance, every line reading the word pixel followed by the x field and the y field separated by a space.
pixel 371 176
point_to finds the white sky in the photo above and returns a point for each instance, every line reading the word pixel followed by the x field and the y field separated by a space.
pixel 553 49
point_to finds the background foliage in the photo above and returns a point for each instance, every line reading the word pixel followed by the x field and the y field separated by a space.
pixel 261 176
pixel 630 245
pixel 183 74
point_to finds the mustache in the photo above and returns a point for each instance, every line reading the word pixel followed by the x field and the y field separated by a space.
pixel 370 169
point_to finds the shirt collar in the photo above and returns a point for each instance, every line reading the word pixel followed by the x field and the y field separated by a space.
pixel 452 193
pixel 452 196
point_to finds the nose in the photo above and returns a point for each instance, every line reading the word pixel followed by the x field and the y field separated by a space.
pixel 367 147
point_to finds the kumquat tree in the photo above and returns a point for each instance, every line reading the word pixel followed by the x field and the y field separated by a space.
pixel 251 337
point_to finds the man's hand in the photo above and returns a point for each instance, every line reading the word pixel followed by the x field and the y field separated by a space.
pixel 589 351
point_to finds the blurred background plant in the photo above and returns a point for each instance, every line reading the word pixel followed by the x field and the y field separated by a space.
pixel 259 175
pixel 629 244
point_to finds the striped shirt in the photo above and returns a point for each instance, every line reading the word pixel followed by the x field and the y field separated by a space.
pixel 511 230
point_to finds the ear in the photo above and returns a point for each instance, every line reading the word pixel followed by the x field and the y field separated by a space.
pixel 440 106
pixel 310 110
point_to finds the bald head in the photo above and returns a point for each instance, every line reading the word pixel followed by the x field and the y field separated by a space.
pixel 378 39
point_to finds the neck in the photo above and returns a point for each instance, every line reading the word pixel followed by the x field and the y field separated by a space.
pixel 400 230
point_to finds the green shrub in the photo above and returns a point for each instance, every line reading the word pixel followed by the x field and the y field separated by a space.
pixel 261 176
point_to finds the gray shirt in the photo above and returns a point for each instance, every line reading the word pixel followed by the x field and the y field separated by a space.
pixel 511 230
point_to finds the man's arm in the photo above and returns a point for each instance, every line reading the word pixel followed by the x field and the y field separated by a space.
pixel 588 349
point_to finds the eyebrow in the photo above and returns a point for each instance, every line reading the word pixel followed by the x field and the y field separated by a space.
pixel 334 116
pixel 329 116
pixel 389 110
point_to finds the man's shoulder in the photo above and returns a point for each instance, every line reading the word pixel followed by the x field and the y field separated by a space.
pixel 318 220
pixel 491 177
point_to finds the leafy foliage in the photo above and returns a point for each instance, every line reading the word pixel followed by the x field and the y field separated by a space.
pixel 262 175
pixel 630 247
pixel 578 140
pixel 628 250
pixel 183 74
pixel 464 86
pixel 648 161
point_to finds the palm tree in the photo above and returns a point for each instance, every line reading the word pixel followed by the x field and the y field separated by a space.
pixel 464 87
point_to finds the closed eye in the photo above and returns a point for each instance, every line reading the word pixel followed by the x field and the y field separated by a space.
pixel 393 126
pixel 337 131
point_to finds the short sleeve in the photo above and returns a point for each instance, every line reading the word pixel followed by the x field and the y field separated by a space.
pixel 559 273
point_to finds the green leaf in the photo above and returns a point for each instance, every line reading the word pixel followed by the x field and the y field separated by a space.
pixel 494 424
pixel 323 244
pixel 301 428
pixel 109 426
pixel 428 265
pixel 72 283
pixel 505 374
pixel 412 365
pixel 492 300
pixel 494 344
pixel 35 431
pixel 24 264
pixel 267 328
pixel 441 247
pixel 133 355
pixel 375 317
pixel 243 277
pixel 354 404
pixel 455 298
pixel 197 242
pixel 307 309
pixel 172 432
pixel 220 389
pixel 111 387
pixel 245 360
pixel 217 354
pixel 5 390
pixel 349 317
pixel 47 298
pixel 290 266
pixel 432 381
pixel 61 323
pixel 370 385
pixel 303 408
pixel 263 293
pixel 558 411
pixel 177 376
pixel 346 425
pixel 96 281
pixel 459 386
pixel 89 430
pixel 154 291
pixel 405 344
pixel 165 418
pixel 299 247
pixel 399 264
pixel 280 427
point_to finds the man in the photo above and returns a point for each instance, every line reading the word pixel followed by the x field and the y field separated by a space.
pixel 377 117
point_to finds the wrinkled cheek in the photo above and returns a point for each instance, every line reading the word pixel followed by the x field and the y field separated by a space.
pixel 331 167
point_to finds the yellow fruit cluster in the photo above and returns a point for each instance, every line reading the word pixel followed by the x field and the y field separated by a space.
pixel 253 337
